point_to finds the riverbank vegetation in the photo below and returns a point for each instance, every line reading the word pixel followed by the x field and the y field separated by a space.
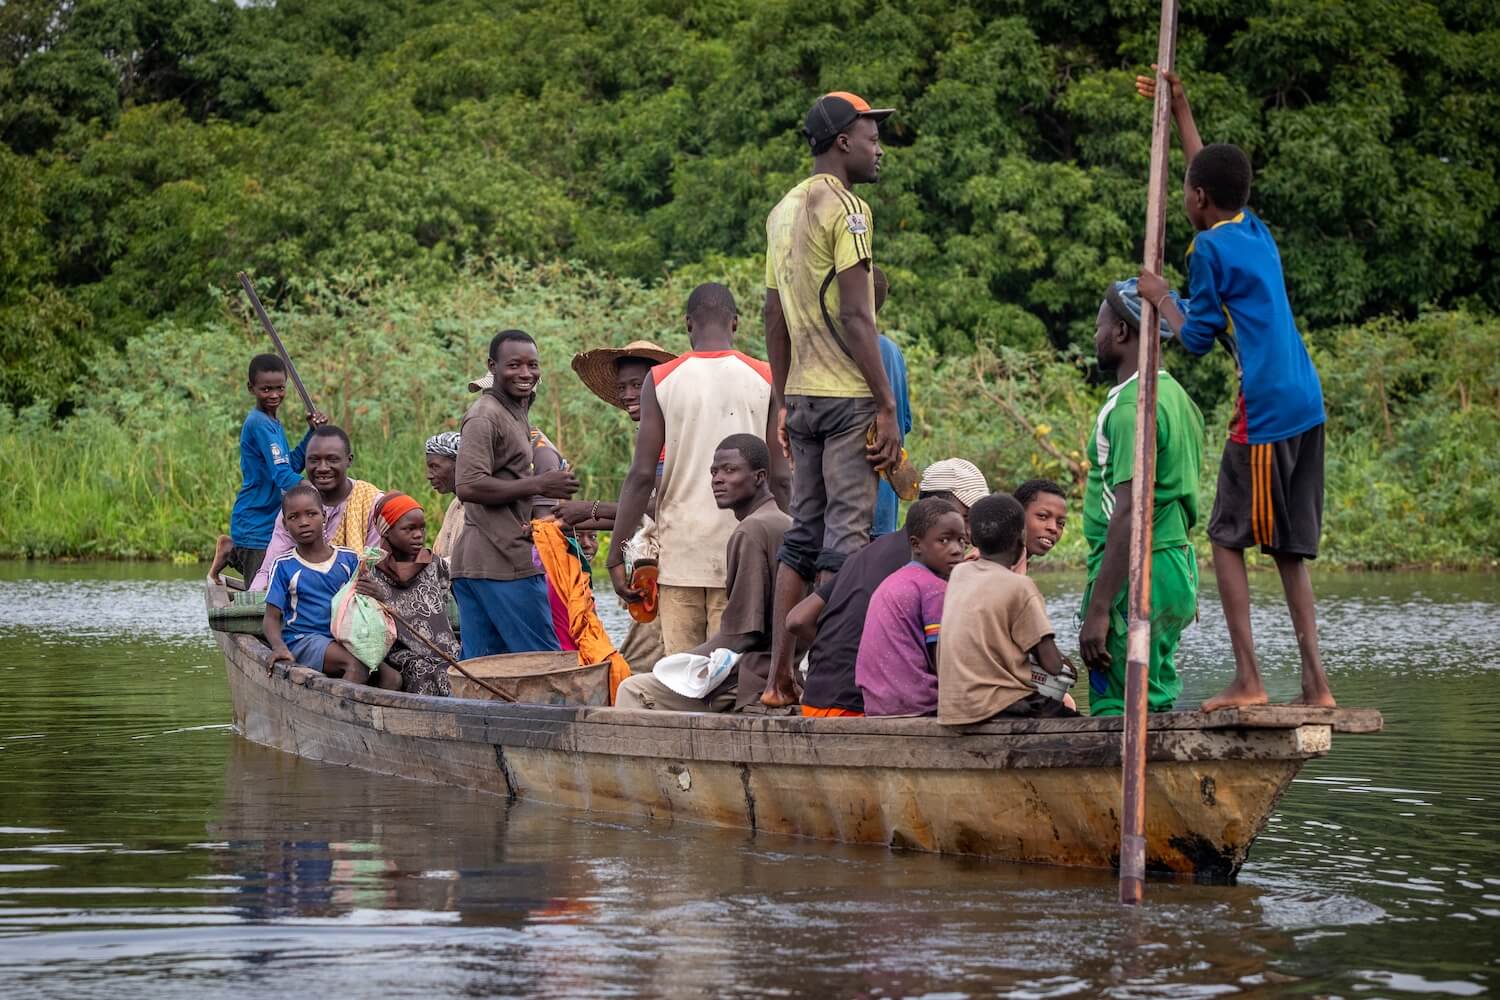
pixel 145 467
pixel 404 178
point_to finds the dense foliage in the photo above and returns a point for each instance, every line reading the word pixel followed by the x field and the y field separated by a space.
pixel 142 468
pixel 151 148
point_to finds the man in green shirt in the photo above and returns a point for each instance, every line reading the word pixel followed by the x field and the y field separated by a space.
pixel 1107 514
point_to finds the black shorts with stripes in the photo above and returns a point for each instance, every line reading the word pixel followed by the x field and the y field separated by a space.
pixel 1271 495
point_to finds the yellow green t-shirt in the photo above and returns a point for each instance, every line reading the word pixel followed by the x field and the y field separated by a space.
pixel 819 229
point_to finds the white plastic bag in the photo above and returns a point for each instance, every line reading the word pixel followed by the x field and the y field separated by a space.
pixel 693 675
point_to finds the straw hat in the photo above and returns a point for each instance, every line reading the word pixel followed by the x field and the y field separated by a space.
pixel 597 367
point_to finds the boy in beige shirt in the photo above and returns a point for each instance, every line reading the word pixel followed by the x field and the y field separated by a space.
pixel 995 627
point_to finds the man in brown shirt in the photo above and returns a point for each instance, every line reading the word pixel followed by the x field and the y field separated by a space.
pixel 501 592
pixel 741 467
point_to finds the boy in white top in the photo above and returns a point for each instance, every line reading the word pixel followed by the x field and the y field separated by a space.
pixel 688 406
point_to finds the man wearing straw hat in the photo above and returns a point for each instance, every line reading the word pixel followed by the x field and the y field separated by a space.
pixel 688 406
pixel 616 375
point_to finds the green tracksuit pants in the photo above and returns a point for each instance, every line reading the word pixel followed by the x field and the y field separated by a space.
pixel 1174 606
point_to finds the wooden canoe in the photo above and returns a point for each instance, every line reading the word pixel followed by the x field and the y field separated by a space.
pixel 1043 791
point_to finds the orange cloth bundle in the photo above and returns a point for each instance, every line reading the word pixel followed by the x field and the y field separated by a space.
pixel 577 592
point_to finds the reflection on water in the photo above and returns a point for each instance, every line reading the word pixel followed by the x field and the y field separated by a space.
pixel 140 838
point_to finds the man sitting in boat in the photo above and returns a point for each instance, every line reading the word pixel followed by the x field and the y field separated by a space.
pixel 414 584
pixel 348 504
pixel 832 617
pixel 996 631
pixel 1107 516
pixel 441 453
pixel 303 583
pixel 739 477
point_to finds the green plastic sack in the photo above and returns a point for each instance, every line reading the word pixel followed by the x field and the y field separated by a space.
pixel 360 624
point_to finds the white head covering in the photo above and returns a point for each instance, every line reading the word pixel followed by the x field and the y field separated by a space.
pixel 958 476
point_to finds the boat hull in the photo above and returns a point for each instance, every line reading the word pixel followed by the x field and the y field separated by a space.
pixel 1030 791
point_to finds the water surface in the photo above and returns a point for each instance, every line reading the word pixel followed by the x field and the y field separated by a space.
pixel 147 850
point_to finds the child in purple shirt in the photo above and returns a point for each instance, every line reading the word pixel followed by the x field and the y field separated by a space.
pixel 897 663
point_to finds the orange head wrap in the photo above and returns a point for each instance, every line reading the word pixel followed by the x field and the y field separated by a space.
pixel 393 508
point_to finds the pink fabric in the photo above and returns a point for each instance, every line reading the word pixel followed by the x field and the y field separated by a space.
pixel 560 617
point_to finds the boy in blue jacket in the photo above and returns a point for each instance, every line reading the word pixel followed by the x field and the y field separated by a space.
pixel 1270 488
pixel 268 468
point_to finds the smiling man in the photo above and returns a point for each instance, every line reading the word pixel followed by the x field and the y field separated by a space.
pixel 349 504
pixel 738 478
pixel 501 593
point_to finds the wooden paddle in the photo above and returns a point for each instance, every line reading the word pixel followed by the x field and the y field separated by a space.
pixel 286 358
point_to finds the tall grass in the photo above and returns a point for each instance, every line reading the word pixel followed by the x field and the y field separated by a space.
pixel 148 468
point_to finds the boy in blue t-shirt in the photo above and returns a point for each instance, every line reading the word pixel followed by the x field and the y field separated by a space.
pixel 887 503
pixel 268 468
pixel 1270 489
pixel 299 603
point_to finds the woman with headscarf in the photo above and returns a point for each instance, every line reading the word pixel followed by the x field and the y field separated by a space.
pixel 415 585
pixel 442 465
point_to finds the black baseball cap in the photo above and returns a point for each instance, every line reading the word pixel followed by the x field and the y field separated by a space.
pixel 833 113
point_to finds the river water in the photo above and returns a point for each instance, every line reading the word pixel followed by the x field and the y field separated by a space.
pixel 146 850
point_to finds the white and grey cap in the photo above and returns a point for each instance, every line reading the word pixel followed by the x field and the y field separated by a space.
pixel 958 476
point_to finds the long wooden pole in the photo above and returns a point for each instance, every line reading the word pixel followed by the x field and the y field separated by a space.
pixel 1142 493
pixel 286 358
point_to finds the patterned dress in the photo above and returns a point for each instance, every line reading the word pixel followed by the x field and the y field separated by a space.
pixel 418 591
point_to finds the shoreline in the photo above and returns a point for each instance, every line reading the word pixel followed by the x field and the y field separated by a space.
pixel 1257 564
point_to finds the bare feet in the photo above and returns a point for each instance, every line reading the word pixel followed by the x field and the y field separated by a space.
pixel 780 692
pixel 222 548
pixel 1237 695
pixel 1316 697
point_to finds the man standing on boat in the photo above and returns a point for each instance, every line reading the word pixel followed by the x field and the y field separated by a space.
pixel 837 409
pixel 688 405
pixel 1107 514
pixel 501 593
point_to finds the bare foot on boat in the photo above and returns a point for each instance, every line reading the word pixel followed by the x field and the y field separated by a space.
pixel 1316 697
pixel 780 693
pixel 1237 695
pixel 222 548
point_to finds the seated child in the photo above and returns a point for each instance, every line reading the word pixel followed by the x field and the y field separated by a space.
pixel 303 582
pixel 1046 507
pixel 896 668
pixel 996 627
pixel 416 585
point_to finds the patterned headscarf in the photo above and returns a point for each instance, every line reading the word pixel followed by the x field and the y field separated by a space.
pixel 1125 301
pixel 445 443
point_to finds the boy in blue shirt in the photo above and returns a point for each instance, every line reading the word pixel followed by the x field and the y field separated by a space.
pixel 1270 488
pixel 268 468
pixel 887 503
pixel 299 603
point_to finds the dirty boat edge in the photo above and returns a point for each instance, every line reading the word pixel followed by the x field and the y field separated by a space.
pixel 1038 791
